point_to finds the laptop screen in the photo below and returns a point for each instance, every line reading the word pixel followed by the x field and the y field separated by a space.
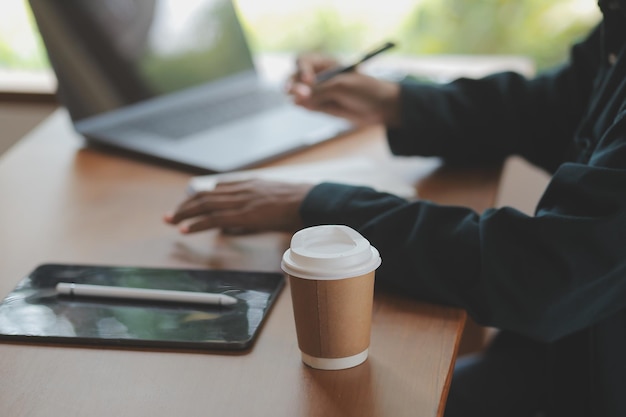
pixel 111 53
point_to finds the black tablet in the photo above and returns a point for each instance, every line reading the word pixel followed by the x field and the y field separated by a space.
pixel 34 312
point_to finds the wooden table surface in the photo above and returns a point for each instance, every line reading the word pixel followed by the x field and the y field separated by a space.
pixel 64 203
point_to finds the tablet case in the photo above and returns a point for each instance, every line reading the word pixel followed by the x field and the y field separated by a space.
pixel 33 312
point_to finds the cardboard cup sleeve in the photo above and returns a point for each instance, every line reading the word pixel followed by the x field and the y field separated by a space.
pixel 331 274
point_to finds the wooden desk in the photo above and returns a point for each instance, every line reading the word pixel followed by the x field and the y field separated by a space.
pixel 62 203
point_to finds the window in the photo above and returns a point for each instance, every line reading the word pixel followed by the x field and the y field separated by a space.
pixel 23 63
pixel 535 28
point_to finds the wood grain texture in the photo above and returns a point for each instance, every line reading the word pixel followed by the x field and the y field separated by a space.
pixel 62 202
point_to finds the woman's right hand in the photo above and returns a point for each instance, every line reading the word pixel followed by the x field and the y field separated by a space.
pixel 362 99
pixel 307 67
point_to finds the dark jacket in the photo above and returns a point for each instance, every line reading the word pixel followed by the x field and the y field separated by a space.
pixel 559 276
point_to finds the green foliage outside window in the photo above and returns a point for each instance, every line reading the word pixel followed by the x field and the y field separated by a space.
pixel 542 30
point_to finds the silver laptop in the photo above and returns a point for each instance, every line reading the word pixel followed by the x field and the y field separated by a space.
pixel 173 80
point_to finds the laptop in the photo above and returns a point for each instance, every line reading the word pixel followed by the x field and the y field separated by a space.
pixel 173 80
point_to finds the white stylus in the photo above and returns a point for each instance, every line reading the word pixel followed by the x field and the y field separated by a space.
pixel 103 291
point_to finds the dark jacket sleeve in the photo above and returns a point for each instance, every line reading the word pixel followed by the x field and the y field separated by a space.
pixel 487 119
pixel 544 276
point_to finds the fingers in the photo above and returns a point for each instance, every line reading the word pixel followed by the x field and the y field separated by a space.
pixel 307 66
pixel 232 220
pixel 360 98
pixel 340 96
pixel 199 217
pixel 299 84
pixel 301 93
pixel 244 206
pixel 225 196
pixel 305 70
pixel 202 204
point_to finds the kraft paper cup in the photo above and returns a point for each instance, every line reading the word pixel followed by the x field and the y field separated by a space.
pixel 331 274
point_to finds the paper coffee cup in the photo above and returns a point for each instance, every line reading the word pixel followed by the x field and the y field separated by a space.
pixel 331 274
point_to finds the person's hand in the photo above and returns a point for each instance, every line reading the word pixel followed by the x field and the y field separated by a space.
pixel 307 67
pixel 242 207
pixel 362 99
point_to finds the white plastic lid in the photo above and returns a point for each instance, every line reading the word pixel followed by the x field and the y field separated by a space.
pixel 329 252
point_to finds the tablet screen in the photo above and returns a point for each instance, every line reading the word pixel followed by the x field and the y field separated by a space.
pixel 33 312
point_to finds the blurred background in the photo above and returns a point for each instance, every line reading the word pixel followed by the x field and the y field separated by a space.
pixel 430 33
pixel 538 29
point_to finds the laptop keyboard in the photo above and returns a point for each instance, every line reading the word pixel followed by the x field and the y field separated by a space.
pixel 186 120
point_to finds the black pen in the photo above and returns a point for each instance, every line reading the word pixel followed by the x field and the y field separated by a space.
pixel 328 74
